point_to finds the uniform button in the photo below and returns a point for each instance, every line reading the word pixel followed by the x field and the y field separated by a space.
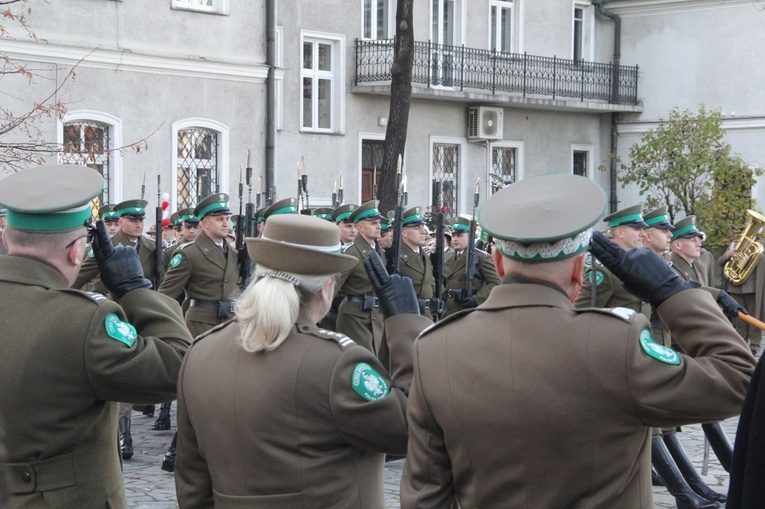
pixel 26 477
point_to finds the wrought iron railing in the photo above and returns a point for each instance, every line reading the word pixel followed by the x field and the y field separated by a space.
pixel 458 67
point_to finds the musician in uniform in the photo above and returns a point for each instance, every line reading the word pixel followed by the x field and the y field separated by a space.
pixel 414 261
pixel 587 445
pixel 626 227
pixel 455 265
pixel 359 315
pixel 68 354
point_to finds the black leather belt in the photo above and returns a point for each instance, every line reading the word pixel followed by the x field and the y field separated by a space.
pixel 204 304
pixel 222 308
pixel 361 299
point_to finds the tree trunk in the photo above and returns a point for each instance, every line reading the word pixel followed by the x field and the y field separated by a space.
pixel 400 99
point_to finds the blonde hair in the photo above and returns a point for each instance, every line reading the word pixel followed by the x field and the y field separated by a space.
pixel 270 306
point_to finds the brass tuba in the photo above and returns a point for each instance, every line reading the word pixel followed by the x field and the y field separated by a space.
pixel 747 251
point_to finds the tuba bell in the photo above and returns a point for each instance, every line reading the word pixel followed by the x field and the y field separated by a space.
pixel 747 251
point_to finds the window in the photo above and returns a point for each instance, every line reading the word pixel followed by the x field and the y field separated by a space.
pixel 446 161
pixel 447 20
pixel 371 167
pixel 88 139
pixel 501 26
pixel 322 84
pixel 503 167
pixel 581 160
pixel 378 19
pixel 211 6
pixel 197 165
pixel 582 36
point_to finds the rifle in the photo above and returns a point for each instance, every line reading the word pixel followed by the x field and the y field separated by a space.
pixel 158 260
pixel 143 186
pixel 340 191
pixel 471 264
pixel 303 189
pixel 250 221
pixel 398 218
pixel 438 255
pixel 242 257
pixel 374 183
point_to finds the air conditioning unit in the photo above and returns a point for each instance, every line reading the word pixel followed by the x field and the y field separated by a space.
pixel 485 123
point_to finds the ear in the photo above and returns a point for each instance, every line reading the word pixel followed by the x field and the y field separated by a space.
pixel 73 255
pixel 497 257
pixel 577 275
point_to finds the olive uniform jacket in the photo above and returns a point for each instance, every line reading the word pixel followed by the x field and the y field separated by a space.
pixel 418 268
pixel 66 356
pixel 610 292
pixel 146 253
pixel 454 275
pixel 365 327
pixel 306 425
pixel 552 406
pixel 207 275
pixel 692 273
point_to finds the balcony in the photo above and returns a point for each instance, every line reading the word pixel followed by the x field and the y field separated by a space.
pixel 472 75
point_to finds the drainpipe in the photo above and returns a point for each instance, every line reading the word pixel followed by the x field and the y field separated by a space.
pixel 270 100
pixel 614 95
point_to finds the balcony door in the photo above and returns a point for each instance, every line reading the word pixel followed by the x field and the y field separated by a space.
pixel 446 33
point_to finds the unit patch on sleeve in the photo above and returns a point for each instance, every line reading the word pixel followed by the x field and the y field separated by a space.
pixel 176 260
pixel 596 277
pixel 659 352
pixel 90 253
pixel 368 383
pixel 119 330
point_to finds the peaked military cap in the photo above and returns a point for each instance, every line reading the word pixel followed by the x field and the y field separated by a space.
pixel 343 212
pixel 658 219
pixel 214 205
pixel 685 229
pixel 630 216
pixel 285 206
pixel 152 229
pixel 53 198
pixel 543 218
pixel 134 209
pixel 324 213
pixel 175 220
pixel 259 215
pixel 187 216
pixel 108 212
pixel 384 225
pixel 412 217
pixel 299 244
pixel 3 212
pixel 460 224
pixel 366 212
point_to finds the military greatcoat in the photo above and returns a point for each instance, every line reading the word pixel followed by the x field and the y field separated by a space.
pixel 287 428
pixel 610 292
pixel 418 268
pixel 365 327
pixel 66 356
pixel 146 249
pixel 206 275
pixel 510 421
pixel 454 275
pixel 692 273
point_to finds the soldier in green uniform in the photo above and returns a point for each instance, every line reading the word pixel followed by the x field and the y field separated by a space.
pixel 414 262
pixel 68 354
pixel 359 315
pixel 342 216
pixel 108 214
pixel 386 236
pixel 189 230
pixel 3 213
pixel 626 228
pixel 485 376
pixel 324 213
pixel 455 266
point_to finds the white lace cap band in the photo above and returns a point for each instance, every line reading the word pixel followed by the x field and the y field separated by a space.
pixel 336 249
pixel 546 251
pixel 281 275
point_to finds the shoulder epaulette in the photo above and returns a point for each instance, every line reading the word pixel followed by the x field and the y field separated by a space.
pixel 482 252
pixel 343 341
pixel 184 245
pixel 214 329
pixel 449 319
pixel 625 314
pixel 96 297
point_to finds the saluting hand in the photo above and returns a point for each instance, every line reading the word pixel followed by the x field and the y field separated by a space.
pixel 642 271
pixel 119 266
pixel 396 294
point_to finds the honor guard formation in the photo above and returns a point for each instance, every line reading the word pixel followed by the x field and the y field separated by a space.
pixel 517 356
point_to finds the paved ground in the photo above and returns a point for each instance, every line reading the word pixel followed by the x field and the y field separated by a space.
pixel 148 487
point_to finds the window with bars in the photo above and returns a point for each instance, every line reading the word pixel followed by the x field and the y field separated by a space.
pixel 197 172
pixel 86 142
pixel 446 160
pixel 503 167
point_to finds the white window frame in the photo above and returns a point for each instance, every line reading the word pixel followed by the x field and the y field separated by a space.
pixel 590 149
pixel 461 178
pixel 279 78
pixel 588 29
pixel 337 75
pixel 115 141
pixel 519 155
pixel 218 6
pixel 500 5
pixel 460 23
pixel 223 153
pixel 391 20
